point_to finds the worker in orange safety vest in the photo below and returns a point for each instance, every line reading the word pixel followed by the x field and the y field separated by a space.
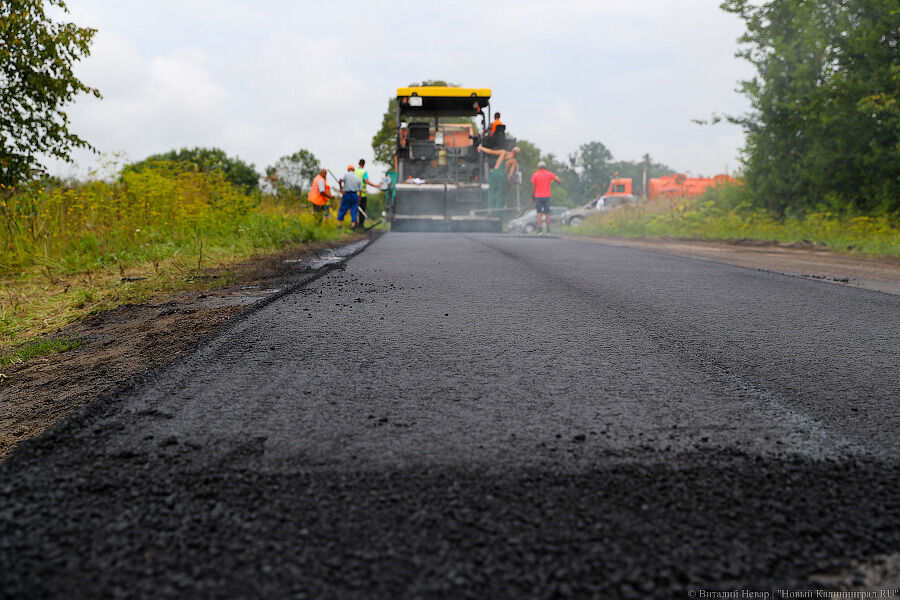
pixel 320 195
pixel 497 122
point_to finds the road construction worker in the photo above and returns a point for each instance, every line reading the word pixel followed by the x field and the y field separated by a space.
pixel 495 136
pixel 320 195
pixel 350 187
pixel 540 192
pixel 363 199
pixel 500 175
pixel 497 122
pixel 404 135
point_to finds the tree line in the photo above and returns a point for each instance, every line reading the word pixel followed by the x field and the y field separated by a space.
pixel 587 172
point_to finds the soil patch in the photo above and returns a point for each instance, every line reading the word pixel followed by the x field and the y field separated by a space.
pixel 131 339
pixel 798 259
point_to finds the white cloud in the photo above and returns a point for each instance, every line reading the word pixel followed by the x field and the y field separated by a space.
pixel 554 126
pixel 148 105
pixel 301 94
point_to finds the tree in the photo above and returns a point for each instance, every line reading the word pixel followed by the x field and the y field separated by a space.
pixel 294 172
pixel 37 56
pixel 384 143
pixel 590 170
pixel 529 156
pixel 824 125
pixel 236 171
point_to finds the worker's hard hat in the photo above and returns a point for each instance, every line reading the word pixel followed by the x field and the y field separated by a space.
pixel 542 164
pixel 351 168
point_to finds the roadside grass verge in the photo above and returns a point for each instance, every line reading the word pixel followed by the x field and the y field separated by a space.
pixel 70 252
pixel 714 216
pixel 37 348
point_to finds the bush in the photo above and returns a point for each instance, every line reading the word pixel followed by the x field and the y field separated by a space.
pixel 727 212
pixel 205 160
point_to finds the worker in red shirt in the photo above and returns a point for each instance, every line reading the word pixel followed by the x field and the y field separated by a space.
pixel 540 192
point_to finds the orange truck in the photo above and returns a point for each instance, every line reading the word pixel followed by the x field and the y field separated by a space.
pixel 672 185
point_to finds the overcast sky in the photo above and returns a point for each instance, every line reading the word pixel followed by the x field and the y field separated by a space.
pixel 264 78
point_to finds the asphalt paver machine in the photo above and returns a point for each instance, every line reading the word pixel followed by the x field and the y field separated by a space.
pixel 441 176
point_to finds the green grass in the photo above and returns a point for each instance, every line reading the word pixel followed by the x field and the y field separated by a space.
pixel 37 348
pixel 715 217
pixel 69 252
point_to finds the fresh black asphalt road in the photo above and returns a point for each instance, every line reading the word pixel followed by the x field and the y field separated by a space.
pixel 485 416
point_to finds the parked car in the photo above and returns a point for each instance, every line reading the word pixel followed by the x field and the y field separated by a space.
pixel 527 223
pixel 575 216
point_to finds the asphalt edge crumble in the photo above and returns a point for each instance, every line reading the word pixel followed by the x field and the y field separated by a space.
pixel 108 400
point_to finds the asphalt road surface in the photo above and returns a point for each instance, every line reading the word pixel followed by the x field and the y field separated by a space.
pixel 483 416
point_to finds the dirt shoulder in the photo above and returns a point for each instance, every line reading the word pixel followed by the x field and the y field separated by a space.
pixel 798 260
pixel 131 339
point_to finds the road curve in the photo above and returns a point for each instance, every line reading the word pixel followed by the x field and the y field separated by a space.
pixel 481 416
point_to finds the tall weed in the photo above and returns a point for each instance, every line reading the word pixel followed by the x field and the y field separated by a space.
pixel 725 213
pixel 69 251
pixel 143 216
